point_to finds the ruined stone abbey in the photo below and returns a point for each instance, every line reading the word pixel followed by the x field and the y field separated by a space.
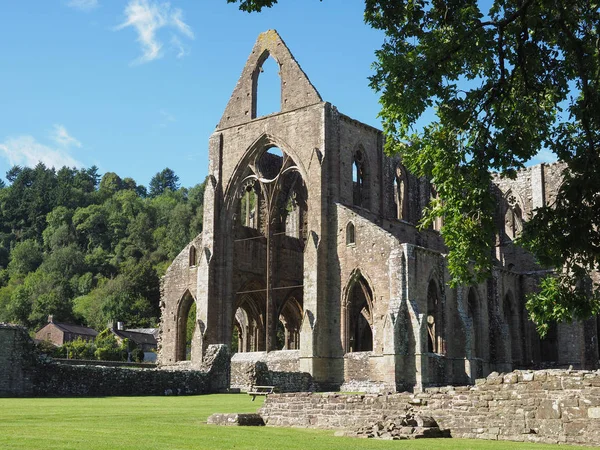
pixel 311 262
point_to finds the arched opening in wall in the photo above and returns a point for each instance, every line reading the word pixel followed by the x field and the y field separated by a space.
pixel 192 260
pixel 435 341
pixel 400 193
pixel 249 206
pixel 511 319
pixel 350 234
pixel 290 320
pixel 186 327
pixel 360 186
pixel 273 253
pixel 475 317
pixel 549 344
pixel 249 324
pixel 513 217
pixel 267 87
pixel 358 316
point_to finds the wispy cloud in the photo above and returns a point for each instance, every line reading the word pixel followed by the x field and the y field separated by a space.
pixel 27 151
pixel 83 5
pixel 147 17
pixel 166 118
pixel 61 136
pixel 179 47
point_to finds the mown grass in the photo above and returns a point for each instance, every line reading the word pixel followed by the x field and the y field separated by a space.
pixel 176 423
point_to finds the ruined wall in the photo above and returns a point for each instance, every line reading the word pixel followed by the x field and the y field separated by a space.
pixel 180 278
pixel 277 368
pixel 551 406
pixel 17 357
pixel 25 373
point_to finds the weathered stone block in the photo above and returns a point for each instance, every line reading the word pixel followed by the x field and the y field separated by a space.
pixel 249 420
pixel 548 409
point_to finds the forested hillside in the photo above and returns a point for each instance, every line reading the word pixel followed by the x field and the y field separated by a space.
pixel 88 248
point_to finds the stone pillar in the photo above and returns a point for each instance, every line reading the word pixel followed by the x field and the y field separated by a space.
pixel 207 304
pixel 538 194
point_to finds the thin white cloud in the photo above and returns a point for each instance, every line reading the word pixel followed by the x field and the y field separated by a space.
pixel 166 118
pixel 83 5
pixel 147 17
pixel 179 48
pixel 26 151
pixel 61 136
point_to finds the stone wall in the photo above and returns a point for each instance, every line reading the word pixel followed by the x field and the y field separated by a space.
pixel 24 372
pixel 552 406
pixel 278 368
pixel 16 361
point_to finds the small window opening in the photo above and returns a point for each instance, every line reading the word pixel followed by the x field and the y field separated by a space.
pixel 268 89
pixel 350 234
pixel 513 221
pixel 193 260
pixel 249 208
pixel 358 180
pixel 292 218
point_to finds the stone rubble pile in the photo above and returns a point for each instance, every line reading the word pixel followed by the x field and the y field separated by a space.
pixel 410 426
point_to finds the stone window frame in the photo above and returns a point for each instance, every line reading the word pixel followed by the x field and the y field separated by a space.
pixel 265 55
pixel 361 186
pixel 350 234
pixel 357 281
pixel 193 257
pixel 435 319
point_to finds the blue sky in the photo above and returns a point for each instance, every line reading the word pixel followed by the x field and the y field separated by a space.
pixel 134 86
pixel 84 81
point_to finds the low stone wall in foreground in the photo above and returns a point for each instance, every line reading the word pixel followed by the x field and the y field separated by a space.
pixel 551 406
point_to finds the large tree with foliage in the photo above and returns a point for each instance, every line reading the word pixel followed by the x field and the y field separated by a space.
pixel 504 83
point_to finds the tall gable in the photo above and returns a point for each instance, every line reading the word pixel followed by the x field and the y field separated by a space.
pixel 296 89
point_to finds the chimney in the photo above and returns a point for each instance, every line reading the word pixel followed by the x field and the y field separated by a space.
pixel 120 326
pixel 50 318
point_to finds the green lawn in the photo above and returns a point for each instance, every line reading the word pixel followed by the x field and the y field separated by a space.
pixel 175 423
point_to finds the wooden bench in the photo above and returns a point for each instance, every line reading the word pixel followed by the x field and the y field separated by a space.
pixel 262 390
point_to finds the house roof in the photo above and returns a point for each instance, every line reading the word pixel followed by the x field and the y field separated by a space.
pixel 135 336
pixel 76 329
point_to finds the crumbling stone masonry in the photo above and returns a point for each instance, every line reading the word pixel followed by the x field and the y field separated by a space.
pixel 553 406
pixel 24 372
pixel 310 244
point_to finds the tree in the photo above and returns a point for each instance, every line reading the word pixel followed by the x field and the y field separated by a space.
pixel 166 179
pixel 504 84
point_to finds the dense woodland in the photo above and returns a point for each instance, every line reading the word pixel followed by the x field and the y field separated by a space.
pixel 89 249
